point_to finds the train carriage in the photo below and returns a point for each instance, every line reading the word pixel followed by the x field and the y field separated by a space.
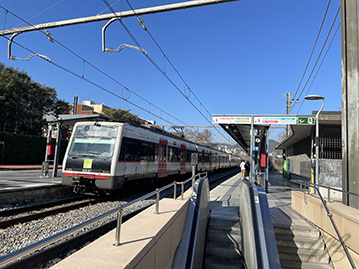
pixel 103 155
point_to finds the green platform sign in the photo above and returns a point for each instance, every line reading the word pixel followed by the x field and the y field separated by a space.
pixel 306 121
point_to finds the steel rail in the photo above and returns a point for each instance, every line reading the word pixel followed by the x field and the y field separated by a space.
pixel 313 185
pixel 8 259
pixel 46 212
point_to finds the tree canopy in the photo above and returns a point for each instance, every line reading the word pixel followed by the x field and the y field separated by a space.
pixel 25 102
pixel 204 137
pixel 122 115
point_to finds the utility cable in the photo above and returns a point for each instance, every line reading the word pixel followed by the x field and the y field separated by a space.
pixel 325 55
pixel 27 21
pixel 97 69
pixel 92 83
pixel 311 54
pixel 165 56
pixel 321 51
pixel 156 65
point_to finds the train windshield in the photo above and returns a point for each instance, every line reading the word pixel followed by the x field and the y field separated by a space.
pixel 93 141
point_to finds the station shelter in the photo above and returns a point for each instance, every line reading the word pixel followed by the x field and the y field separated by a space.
pixel 61 125
pixel 251 132
pixel 299 150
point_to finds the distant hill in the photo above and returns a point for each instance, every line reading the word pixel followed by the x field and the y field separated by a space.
pixel 271 145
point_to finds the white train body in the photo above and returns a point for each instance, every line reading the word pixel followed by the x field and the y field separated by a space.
pixel 104 155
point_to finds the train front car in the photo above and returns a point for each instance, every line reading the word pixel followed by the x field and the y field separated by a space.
pixel 91 156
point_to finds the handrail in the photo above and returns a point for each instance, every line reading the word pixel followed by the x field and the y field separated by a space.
pixel 313 185
pixel 301 182
pixel 189 253
pixel 258 241
pixel 157 193
pixel 200 197
pixel 8 259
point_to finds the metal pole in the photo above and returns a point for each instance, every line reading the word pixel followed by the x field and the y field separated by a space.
pixel 350 98
pixel 157 202
pixel 124 14
pixel 57 150
pixel 118 228
pixel 175 190
pixel 182 190
pixel 267 162
pixel 48 140
pixel 251 171
pixel 288 112
pixel 317 144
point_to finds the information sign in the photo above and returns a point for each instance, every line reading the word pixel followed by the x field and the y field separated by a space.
pixel 306 120
pixel 275 120
pixel 233 120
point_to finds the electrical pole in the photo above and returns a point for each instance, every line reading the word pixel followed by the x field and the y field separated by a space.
pixel 350 99
pixel 288 112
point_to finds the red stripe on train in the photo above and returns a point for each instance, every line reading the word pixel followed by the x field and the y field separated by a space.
pixel 86 176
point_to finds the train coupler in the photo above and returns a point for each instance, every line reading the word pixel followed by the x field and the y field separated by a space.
pixel 82 185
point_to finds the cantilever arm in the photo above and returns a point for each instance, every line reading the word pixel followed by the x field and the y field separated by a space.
pixel 25 59
pixel 122 46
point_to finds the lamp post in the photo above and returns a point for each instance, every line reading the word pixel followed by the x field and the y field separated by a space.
pixel 316 97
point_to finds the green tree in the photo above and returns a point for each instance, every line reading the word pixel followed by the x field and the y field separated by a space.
pixel 25 102
pixel 122 115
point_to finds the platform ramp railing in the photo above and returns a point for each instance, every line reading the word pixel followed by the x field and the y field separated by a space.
pixel 190 252
pixel 306 188
pixel 258 241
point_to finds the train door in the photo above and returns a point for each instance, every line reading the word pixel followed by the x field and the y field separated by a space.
pixel 162 160
pixel 210 160
pixel 183 159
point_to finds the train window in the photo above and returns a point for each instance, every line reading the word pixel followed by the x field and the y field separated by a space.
pixel 92 146
pixel 137 150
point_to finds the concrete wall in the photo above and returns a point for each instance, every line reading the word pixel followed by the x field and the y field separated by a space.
pixel 300 165
pixel 148 241
pixel 330 173
pixel 346 218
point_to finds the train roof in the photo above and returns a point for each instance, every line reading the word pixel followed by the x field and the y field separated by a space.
pixel 151 128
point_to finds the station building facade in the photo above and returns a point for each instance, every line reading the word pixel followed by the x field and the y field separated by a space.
pixel 299 150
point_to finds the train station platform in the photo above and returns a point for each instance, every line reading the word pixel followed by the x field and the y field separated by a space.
pixel 24 178
pixel 150 240
pixel 21 186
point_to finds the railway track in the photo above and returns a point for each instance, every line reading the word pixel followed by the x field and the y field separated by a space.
pixel 61 250
pixel 33 212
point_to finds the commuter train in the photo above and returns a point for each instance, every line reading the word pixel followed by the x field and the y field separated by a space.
pixel 104 155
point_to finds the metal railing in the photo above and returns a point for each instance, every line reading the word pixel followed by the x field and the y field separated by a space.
pixel 8 259
pixel 324 202
pixel 156 192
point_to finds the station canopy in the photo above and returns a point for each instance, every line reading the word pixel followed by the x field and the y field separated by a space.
pixel 239 126
pixel 71 119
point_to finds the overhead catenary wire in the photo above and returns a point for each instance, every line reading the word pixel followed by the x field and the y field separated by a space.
pixel 156 65
pixel 165 56
pixel 325 55
pixel 314 46
pixel 97 69
pixel 54 5
pixel 321 51
pixel 92 83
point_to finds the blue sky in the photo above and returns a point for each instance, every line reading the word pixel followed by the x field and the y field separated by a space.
pixel 238 58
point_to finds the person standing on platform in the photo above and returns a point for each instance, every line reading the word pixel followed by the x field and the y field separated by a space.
pixel 243 168
pixel 247 168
